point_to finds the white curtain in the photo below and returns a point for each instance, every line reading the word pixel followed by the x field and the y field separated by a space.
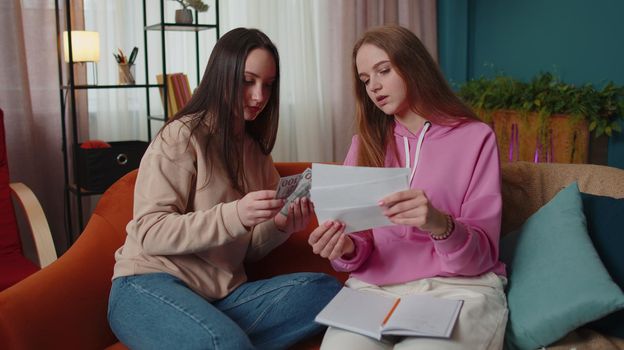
pixel 114 114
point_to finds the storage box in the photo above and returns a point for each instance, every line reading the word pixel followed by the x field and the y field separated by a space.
pixel 101 167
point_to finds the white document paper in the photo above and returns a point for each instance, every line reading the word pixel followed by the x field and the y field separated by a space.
pixel 376 315
pixel 332 175
pixel 350 194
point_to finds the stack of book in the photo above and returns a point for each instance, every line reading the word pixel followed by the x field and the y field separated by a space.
pixel 178 91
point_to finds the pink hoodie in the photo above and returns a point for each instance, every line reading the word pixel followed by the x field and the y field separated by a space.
pixel 459 170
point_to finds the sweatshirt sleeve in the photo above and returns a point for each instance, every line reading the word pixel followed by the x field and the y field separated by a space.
pixel 162 222
pixel 265 236
pixel 363 242
pixel 472 248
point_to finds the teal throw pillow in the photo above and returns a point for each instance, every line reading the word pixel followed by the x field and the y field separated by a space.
pixel 605 220
pixel 557 282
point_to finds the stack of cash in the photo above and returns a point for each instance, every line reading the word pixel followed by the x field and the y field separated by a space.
pixel 293 187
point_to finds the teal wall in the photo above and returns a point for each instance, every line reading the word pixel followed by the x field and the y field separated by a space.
pixel 580 41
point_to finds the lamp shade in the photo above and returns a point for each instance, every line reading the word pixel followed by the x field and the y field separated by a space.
pixel 85 46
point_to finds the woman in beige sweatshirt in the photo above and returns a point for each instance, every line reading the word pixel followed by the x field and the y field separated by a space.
pixel 203 205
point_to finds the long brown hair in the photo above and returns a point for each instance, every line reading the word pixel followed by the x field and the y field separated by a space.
pixel 218 101
pixel 427 90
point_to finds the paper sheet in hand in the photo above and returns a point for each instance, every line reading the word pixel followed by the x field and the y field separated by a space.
pixel 350 194
pixel 413 315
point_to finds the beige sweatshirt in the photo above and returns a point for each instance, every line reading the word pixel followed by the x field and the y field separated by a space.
pixel 185 221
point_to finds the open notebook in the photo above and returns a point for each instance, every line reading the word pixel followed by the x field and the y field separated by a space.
pixel 377 315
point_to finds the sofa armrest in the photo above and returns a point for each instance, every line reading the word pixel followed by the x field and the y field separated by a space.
pixel 65 304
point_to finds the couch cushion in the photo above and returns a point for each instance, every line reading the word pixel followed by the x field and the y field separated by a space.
pixel 605 222
pixel 556 279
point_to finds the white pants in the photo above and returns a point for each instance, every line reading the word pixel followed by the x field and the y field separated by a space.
pixel 481 323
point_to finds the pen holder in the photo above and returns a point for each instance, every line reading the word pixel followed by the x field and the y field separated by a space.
pixel 126 74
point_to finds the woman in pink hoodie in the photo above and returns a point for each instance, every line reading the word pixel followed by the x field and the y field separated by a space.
pixel 447 224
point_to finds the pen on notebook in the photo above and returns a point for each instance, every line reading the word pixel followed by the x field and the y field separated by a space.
pixel 396 303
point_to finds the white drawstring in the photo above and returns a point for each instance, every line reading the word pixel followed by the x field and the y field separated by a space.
pixel 418 146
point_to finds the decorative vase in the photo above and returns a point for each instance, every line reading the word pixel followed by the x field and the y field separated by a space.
pixel 184 16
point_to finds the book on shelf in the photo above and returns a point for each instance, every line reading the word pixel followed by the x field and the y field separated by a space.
pixel 376 315
pixel 178 91
pixel 186 88
pixel 170 109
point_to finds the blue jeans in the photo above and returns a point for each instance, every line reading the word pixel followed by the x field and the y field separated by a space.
pixel 159 311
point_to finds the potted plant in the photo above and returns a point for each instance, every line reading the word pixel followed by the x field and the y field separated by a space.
pixel 545 119
pixel 185 15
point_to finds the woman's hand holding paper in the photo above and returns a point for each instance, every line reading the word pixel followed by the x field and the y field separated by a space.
pixel 329 240
pixel 412 207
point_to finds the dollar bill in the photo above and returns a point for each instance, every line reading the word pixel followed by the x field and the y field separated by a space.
pixel 287 185
pixel 301 190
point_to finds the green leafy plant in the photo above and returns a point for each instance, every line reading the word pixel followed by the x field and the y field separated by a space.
pixel 198 5
pixel 546 95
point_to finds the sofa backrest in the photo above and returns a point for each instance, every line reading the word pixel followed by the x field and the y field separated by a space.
pixel 527 186
pixel 116 206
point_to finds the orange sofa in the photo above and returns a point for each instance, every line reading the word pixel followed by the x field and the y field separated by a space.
pixel 63 306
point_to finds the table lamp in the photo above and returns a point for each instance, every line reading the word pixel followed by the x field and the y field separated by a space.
pixel 85 48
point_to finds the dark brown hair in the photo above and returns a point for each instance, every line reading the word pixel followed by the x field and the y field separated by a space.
pixel 218 101
pixel 427 90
